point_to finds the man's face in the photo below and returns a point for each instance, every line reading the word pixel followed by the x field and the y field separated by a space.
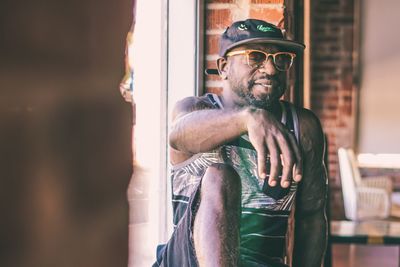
pixel 261 86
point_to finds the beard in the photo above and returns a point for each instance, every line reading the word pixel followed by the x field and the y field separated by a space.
pixel 266 101
pixel 263 103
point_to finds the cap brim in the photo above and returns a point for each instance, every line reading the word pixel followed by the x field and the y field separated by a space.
pixel 290 45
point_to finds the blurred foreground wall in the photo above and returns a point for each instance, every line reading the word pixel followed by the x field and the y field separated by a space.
pixel 65 133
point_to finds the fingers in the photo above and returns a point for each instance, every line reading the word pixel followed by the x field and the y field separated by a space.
pixel 289 159
pixel 298 172
pixel 287 162
pixel 268 134
pixel 275 161
pixel 286 173
pixel 261 160
pixel 283 156
pixel 298 166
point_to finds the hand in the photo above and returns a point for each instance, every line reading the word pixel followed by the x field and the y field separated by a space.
pixel 269 136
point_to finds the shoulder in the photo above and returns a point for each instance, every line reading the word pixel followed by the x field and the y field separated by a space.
pixel 311 133
pixel 313 187
pixel 190 104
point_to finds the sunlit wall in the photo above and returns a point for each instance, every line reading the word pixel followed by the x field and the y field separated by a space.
pixel 379 130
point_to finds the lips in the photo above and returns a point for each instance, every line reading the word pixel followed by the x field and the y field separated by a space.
pixel 264 83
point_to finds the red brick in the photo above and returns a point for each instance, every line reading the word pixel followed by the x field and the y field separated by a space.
pixel 218 19
pixel 211 64
pixel 214 90
pixel 327 117
pixel 271 15
pixel 212 78
pixel 348 39
pixel 219 1
pixel 333 157
pixel 267 2
pixel 348 7
pixel 212 44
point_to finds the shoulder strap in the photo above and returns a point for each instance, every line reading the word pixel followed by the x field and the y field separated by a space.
pixel 214 99
pixel 292 119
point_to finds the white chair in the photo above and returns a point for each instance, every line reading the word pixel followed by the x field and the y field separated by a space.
pixel 366 198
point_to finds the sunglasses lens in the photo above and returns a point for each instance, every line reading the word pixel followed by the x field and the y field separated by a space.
pixel 256 58
pixel 283 61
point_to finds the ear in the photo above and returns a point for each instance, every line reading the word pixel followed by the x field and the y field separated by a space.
pixel 222 65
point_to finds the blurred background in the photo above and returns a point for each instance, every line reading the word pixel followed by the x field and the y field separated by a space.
pixel 65 137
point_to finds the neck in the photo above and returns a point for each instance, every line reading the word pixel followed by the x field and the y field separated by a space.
pixel 275 109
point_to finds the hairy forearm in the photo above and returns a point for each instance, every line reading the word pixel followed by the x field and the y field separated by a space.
pixel 204 130
pixel 310 240
pixel 198 128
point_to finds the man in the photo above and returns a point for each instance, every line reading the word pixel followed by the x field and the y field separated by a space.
pixel 237 162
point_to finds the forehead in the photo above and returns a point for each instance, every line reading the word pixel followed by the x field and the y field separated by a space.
pixel 269 48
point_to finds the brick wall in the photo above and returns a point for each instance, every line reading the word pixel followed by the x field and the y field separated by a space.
pixel 332 92
pixel 333 88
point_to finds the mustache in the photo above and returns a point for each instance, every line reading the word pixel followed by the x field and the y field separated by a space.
pixel 273 78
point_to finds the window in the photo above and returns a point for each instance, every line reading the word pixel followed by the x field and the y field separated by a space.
pixel 165 53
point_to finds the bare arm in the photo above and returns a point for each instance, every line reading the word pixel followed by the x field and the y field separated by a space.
pixel 310 218
pixel 199 128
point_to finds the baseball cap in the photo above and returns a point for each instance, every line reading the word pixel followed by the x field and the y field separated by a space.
pixel 252 31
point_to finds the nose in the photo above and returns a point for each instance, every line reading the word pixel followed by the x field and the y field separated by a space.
pixel 268 67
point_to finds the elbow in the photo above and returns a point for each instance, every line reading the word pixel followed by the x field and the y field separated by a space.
pixel 173 139
pixel 176 138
